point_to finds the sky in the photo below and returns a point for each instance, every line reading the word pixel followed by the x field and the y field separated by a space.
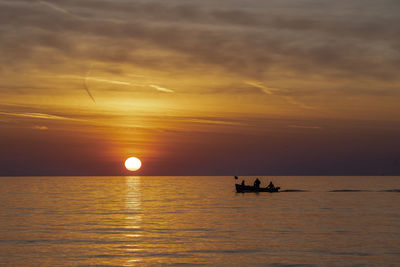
pixel 250 87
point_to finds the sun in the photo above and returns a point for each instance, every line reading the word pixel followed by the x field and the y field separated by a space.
pixel 133 164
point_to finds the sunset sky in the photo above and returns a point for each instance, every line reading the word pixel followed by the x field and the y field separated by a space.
pixel 262 87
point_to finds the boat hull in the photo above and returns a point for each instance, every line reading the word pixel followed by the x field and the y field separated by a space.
pixel 249 189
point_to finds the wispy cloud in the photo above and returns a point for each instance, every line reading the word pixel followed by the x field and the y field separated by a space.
pixel 37 116
pixel 219 122
pixel 108 81
pixel 55 7
pixel 161 89
pixel 96 79
pixel 265 89
pixel 40 127
pixel 272 91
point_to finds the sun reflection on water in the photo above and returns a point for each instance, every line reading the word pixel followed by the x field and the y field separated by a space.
pixel 134 216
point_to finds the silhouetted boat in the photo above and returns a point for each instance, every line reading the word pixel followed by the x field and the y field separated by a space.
pixel 247 189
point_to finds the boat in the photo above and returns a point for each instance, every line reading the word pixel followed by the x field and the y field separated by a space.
pixel 248 189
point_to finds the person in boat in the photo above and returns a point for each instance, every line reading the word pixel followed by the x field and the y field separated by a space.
pixel 257 183
pixel 271 185
pixel 243 182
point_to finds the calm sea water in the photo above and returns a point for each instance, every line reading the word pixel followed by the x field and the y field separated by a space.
pixel 129 221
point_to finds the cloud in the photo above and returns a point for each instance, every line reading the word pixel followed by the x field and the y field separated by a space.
pixel 38 116
pixel 224 46
pixel 161 89
pixel 40 127
pixel 108 81
pixel 300 104
pixel 217 122
pixel 271 91
pixel 260 42
pixel 54 7
pixel 265 89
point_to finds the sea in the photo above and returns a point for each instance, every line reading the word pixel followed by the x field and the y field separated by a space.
pixel 191 221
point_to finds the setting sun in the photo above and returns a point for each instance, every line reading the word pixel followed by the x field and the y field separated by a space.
pixel 133 164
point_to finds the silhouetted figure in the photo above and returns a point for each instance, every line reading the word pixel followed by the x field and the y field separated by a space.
pixel 257 183
pixel 242 182
pixel 271 185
